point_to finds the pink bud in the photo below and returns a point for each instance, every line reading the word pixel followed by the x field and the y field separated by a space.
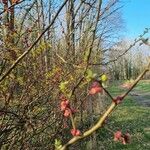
pixel 118 99
pixel 117 135
pixel 126 138
pixel 64 104
pixel 95 90
pixel 75 132
pixel 67 112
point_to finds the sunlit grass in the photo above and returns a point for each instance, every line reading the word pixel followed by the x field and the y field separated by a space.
pixel 128 117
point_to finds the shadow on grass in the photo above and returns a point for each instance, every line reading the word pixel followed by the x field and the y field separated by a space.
pixel 129 117
pixel 132 119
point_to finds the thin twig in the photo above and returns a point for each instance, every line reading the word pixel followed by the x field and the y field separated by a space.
pixel 106 114
pixel 31 47
pixel 11 6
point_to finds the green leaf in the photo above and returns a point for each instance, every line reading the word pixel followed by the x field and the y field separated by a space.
pixel 90 75
pixel 63 86
pixel 58 144
pixel 104 78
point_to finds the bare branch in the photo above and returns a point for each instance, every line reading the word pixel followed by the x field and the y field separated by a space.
pixel 31 47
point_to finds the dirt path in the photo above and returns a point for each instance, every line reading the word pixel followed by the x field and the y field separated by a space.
pixel 142 98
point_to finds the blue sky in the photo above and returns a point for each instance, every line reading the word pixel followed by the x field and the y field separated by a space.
pixel 136 15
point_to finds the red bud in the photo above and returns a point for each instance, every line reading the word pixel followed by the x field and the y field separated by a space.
pixel 95 90
pixel 75 132
pixel 67 112
pixel 64 104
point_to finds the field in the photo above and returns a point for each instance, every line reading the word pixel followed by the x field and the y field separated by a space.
pixel 131 116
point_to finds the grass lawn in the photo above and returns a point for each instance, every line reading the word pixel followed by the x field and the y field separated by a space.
pixel 144 86
pixel 128 117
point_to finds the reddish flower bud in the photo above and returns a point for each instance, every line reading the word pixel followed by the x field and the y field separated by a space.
pixel 118 99
pixel 78 133
pixel 64 104
pixel 123 138
pixel 126 138
pixel 117 135
pixel 75 132
pixel 67 112
pixel 95 90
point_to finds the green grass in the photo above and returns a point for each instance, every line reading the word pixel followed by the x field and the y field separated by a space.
pixel 144 86
pixel 131 117
pixel 115 89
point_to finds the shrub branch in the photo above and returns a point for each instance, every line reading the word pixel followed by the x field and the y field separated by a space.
pixel 112 106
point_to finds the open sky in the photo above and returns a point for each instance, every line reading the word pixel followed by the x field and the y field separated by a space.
pixel 136 14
